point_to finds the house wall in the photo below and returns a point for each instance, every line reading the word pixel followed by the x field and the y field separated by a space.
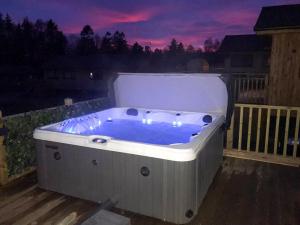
pixel 284 79
pixel 259 64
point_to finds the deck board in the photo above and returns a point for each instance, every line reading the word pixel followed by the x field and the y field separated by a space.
pixel 244 192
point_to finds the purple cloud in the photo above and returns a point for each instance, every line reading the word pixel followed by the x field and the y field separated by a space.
pixel 153 22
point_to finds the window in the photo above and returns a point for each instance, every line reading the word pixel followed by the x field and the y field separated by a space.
pixel 241 60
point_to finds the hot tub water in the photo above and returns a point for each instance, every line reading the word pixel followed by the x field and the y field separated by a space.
pixel 155 133
pixel 150 132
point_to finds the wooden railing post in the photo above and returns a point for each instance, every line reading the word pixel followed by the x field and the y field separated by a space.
pixel 68 101
pixel 267 131
pixel 241 128
pixel 276 132
pixel 229 139
pixel 286 131
pixel 249 128
pixel 3 163
pixel 296 139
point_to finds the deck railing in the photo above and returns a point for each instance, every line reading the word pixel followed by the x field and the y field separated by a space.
pixel 250 88
pixel 265 130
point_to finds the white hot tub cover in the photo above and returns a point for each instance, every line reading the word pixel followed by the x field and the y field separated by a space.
pixel 172 91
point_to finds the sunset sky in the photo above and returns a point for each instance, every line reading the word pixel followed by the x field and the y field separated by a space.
pixel 150 22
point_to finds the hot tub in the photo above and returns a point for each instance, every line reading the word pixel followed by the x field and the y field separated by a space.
pixel 156 152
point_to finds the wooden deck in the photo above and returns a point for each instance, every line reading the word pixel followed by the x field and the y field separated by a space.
pixel 243 192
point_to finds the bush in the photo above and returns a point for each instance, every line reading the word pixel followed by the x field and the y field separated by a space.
pixel 20 145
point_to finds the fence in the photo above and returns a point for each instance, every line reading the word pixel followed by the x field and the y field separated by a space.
pixel 17 150
pixel 250 88
pixel 272 131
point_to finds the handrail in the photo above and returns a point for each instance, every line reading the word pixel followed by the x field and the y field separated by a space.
pixel 265 129
pixel 250 88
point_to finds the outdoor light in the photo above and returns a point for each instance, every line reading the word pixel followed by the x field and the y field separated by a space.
pixel 91 75
pixel 149 121
pixel 109 119
pixel 144 120
pixel 177 123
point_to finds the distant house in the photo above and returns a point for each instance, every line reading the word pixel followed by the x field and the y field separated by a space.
pixel 243 54
pixel 197 65
pixel 282 24
pixel 77 73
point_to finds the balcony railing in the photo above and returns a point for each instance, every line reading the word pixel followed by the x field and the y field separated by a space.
pixel 267 130
pixel 250 88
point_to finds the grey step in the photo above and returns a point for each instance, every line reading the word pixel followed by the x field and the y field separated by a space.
pixel 104 217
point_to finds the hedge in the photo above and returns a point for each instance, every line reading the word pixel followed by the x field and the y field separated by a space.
pixel 20 146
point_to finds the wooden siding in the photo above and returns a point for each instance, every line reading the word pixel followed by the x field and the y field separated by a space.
pixel 284 79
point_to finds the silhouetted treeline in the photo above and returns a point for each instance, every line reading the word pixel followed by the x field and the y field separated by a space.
pixel 116 43
pixel 33 43
pixel 29 43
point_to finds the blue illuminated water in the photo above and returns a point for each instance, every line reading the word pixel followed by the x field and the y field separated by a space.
pixel 154 133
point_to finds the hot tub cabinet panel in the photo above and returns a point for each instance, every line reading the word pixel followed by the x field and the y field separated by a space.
pixel 164 189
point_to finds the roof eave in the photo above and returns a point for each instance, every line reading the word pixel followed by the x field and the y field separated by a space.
pixel 276 30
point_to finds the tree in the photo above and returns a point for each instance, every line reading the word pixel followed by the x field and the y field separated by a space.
pixel 119 43
pixel 216 44
pixel 87 32
pixel 98 41
pixel 55 41
pixel 7 28
pixel 40 26
pixel 8 24
pixel 137 49
pixel 29 43
pixel 210 45
pixel 1 23
pixel 190 49
pixel 180 48
pixel 86 44
pixel 106 44
pixel 175 48
pixel 148 50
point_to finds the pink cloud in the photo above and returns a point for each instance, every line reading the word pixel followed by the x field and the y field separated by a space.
pixel 153 43
pixel 100 18
pixel 196 40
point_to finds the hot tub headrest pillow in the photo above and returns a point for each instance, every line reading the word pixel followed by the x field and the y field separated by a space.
pixel 207 119
pixel 132 112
